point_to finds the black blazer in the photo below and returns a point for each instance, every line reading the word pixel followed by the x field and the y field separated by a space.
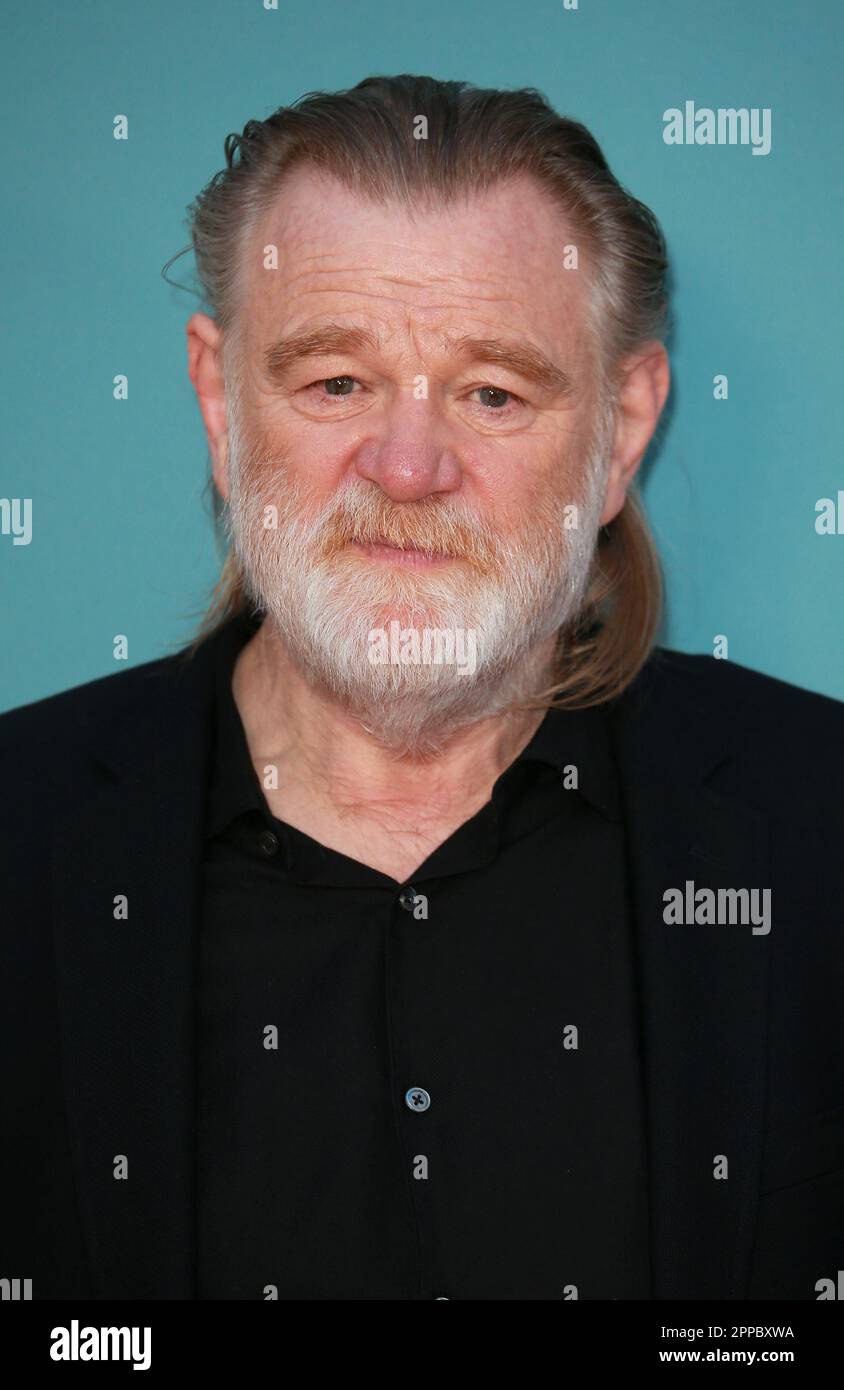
pixel 729 779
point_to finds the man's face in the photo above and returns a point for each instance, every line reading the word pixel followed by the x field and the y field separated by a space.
pixel 418 405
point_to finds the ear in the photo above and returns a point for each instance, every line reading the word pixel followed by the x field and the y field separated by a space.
pixel 644 378
pixel 205 370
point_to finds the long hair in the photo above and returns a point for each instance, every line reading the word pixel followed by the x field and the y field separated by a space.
pixel 366 137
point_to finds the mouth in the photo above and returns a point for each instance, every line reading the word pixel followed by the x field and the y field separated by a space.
pixel 386 553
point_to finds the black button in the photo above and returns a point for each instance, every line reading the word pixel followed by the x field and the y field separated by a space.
pixel 268 842
pixel 407 898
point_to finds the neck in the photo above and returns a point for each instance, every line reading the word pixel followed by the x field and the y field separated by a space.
pixel 321 751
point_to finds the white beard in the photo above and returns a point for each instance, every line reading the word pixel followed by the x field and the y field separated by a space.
pixel 324 609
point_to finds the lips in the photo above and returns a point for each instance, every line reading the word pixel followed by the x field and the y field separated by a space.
pixel 410 554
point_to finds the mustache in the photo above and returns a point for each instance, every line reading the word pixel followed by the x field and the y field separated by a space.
pixel 361 512
pixel 430 527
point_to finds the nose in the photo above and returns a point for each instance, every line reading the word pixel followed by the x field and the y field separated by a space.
pixel 409 457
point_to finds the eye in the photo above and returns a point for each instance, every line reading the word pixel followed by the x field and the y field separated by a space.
pixel 335 386
pixel 495 399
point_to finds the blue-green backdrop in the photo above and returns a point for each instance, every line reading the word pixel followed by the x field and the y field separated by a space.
pixel 122 542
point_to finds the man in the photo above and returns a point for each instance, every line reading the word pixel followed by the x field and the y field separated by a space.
pixel 425 931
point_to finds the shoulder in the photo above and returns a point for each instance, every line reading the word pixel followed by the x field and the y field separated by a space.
pixel 785 742
pixel 741 691
pixel 80 704
pixel 44 741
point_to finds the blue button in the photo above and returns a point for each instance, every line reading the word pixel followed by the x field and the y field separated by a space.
pixel 417 1099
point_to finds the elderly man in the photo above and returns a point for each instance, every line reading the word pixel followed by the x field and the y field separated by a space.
pixel 423 930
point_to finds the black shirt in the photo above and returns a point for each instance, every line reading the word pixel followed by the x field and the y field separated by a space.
pixel 430 1089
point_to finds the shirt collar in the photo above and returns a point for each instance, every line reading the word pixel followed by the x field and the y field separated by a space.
pixel 234 787
pixel 577 743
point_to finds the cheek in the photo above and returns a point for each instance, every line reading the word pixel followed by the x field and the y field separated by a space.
pixel 303 455
pixel 547 473
pixel 505 472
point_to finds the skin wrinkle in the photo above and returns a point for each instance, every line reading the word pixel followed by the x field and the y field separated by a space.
pixel 382 762
pixel 332 339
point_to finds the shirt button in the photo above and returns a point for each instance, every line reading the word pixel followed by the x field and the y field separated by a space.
pixel 417 1099
pixel 268 842
pixel 407 899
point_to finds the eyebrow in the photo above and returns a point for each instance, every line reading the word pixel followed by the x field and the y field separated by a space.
pixel 523 358
pixel 316 342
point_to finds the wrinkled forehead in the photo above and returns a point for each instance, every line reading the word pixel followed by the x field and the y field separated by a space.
pixel 505 257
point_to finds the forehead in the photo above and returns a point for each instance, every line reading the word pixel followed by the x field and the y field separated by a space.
pixel 494 259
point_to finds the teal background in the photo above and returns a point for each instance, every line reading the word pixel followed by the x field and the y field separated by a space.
pixel 122 539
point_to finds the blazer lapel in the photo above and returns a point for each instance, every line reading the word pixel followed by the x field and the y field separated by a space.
pixel 126 985
pixel 703 988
